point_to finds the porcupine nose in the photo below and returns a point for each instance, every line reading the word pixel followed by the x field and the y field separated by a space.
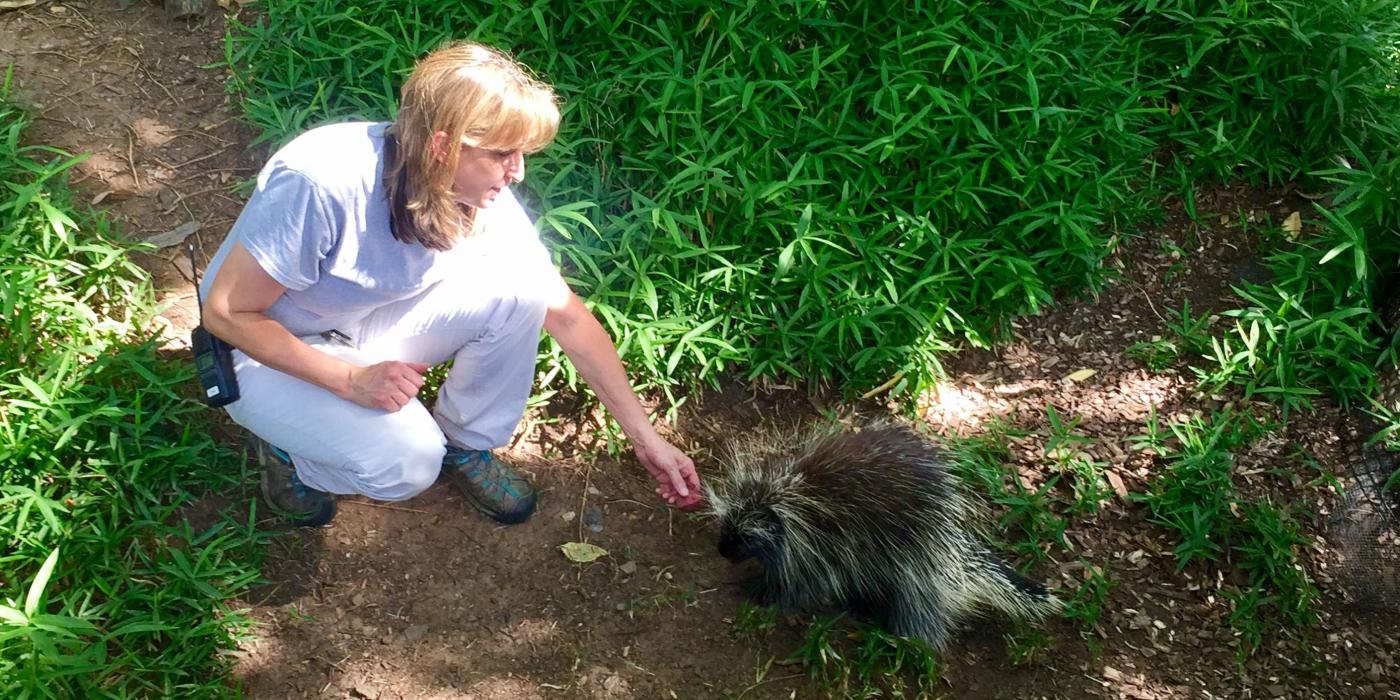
pixel 731 547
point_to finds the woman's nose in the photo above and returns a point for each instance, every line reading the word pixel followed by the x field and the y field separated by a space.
pixel 515 166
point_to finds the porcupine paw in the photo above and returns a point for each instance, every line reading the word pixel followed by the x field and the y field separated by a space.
pixel 918 623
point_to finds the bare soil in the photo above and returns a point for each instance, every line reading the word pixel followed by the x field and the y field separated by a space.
pixel 426 599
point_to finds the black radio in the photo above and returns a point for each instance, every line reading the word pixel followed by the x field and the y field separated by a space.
pixel 213 358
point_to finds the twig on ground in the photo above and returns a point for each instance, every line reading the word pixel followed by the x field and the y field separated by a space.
pixel 180 198
pixel 159 84
pixel 769 680
pixel 385 506
pixel 883 387
pixel 131 160
pixel 206 156
pixel 1150 305
pixel 628 500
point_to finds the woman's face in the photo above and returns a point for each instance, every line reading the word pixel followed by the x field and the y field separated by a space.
pixel 483 172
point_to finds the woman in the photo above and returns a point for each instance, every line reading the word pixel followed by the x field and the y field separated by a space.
pixel 371 252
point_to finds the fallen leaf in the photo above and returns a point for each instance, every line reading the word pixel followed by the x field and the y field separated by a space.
pixel 15 4
pixel 1080 375
pixel 152 133
pixel 1293 225
pixel 582 552
pixel 100 196
pixel 1117 483
pixel 174 236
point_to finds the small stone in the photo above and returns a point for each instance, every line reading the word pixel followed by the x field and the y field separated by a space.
pixel 415 632
pixel 593 518
pixel 620 607
pixel 629 568
pixel 569 516
pixel 615 685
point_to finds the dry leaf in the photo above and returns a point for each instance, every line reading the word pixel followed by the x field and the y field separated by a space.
pixel 175 236
pixel 582 552
pixel 15 4
pixel 1080 375
pixel 1293 225
pixel 152 133
pixel 1117 483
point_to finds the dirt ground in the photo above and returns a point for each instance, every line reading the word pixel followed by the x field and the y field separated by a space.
pixel 425 599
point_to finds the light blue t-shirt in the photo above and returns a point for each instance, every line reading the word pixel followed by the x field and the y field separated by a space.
pixel 318 223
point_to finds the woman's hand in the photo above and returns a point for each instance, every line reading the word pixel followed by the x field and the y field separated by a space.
pixel 387 385
pixel 676 480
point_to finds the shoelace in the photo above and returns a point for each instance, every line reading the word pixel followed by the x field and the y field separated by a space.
pixel 488 472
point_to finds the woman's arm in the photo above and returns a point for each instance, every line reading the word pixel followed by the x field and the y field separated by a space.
pixel 591 350
pixel 235 310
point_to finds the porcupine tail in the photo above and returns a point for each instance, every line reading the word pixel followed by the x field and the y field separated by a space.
pixel 1005 590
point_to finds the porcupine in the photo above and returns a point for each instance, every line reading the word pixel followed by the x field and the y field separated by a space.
pixel 868 521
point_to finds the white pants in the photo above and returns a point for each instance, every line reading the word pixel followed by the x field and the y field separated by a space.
pixel 341 447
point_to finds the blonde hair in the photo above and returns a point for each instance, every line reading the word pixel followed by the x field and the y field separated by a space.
pixel 478 96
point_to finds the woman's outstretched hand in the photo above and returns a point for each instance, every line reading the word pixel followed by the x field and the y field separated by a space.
pixel 676 480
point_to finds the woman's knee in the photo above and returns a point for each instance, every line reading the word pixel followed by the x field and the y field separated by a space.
pixel 402 471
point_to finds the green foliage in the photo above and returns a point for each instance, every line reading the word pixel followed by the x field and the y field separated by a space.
pixel 1066 449
pixel 1274 90
pixel 1196 496
pixel 755 622
pixel 1085 606
pixel 1028 523
pixel 867 662
pixel 837 191
pixel 98 451
pixel 1026 645
pixel 807 189
pixel 1314 327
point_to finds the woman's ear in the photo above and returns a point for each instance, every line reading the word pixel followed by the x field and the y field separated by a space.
pixel 439 145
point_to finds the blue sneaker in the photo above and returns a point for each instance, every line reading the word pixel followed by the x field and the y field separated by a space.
pixel 495 489
pixel 303 505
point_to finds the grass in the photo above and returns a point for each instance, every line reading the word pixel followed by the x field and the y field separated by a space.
pixel 1028 516
pixel 1085 605
pixel 734 190
pixel 866 662
pixel 1219 530
pixel 109 591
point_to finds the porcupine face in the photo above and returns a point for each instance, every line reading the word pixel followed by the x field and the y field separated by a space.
pixel 754 532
